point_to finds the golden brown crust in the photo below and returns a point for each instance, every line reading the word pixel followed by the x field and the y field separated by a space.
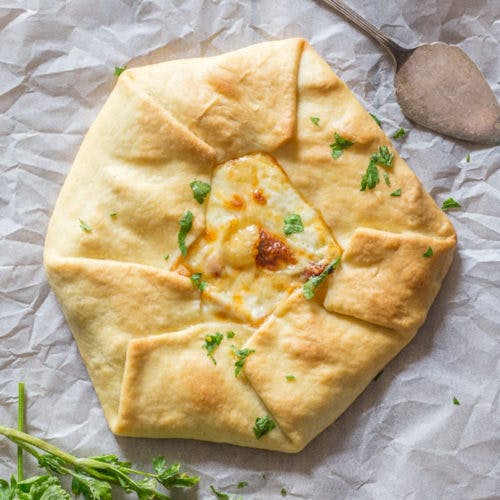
pixel 124 286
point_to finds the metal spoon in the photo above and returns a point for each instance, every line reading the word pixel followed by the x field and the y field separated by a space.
pixel 438 86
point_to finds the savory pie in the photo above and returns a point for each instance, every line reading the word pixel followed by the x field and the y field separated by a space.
pixel 238 249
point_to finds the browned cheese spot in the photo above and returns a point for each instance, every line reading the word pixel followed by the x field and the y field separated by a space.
pixel 314 269
pixel 236 202
pixel 272 251
pixel 259 197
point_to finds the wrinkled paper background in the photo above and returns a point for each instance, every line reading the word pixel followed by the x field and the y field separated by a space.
pixel 403 437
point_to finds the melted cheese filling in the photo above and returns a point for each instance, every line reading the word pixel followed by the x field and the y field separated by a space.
pixel 244 255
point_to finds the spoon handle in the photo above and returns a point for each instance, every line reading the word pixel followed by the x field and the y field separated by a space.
pixel 399 54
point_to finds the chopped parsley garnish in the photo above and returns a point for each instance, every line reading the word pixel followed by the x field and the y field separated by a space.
pixel 230 334
pixel 397 192
pixel 211 344
pixel 293 224
pixel 339 145
pixel 290 377
pixel 219 494
pixel 376 120
pixel 166 257
pixel 310 286
pixel 386 179
pixel 242 484
pixel 315 120
pixel 200 190
pixel 400 132
pixel 263 425
pixel 113 214
pixel 242 356
pixel 185 225
pixel 456 401
pixel 85 226
pixel 382 157
pixel 428 253
pixel 467 158
pixel 371 178
pixel 283 492
pixel 450 203
pixel 197 281
pixel 119 70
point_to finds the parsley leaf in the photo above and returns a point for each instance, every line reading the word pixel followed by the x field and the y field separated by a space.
pixel 185 225
pixel 200 190
pixel 211 344
pixel 401 132
pixel 290 377
pixel 450 203
pixel 293 224
pixel 397 192
pixel 172 477
pixel 456 401
pixel 242 484
pixel 114 213
pixel 263 425
pixel 382 157
pixel 467 158
pixel 219 494
pixel 339 145
pixel 85 226
pixel 310 286
pixel 197 281
pixel 386 179
pixel 230 334
pixel 166 257
pixel 242 356
pixel 371 178
pixel 283 492
pixel 314 120
pixel 90 487
pixel 377 121
pixel 428 253
pixel 119 70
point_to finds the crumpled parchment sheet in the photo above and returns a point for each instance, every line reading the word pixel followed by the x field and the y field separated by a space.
pixel 403 437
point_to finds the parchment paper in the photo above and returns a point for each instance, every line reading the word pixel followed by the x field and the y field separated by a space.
pixel 403 437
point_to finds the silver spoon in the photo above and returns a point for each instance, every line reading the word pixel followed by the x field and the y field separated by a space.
pixel 438 86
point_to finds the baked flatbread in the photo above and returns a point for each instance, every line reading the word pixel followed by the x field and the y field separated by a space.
pixel 223 273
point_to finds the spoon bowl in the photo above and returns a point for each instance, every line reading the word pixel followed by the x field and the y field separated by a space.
pixel 438 86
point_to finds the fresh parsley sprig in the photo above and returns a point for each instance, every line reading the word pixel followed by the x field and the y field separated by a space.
pixel 92 477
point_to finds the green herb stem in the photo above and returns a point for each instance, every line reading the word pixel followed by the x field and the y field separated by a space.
pixel 21 411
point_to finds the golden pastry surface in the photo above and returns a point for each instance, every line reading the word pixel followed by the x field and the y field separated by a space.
pixel 163 334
